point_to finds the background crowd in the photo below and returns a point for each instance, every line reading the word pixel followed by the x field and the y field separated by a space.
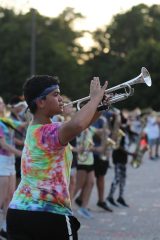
pixel 118 138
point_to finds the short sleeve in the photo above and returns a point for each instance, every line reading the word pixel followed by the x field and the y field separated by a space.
pixel 47 136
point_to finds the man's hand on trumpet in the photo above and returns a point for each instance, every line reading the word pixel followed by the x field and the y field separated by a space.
pixel 98 91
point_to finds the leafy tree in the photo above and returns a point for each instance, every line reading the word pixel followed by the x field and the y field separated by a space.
pixel 123 47
pixel 14 52
pixel 57 51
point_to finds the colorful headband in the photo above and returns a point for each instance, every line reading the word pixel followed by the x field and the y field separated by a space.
pixel 45 93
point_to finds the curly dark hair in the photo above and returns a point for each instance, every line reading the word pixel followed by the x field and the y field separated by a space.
pixel 34 86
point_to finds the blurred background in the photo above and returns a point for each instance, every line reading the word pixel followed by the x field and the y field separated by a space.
pixel 77 40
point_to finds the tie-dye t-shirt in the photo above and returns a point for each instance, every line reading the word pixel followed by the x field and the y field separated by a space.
pixel 45 170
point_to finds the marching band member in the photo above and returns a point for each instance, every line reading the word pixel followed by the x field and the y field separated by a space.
pixel 85 171
pixel 43 194
pixel 119 156
pixel 17 106
pixel 7 162
pixel 101 158
pixel 152 131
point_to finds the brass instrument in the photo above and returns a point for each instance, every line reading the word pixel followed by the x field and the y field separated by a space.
pixel 117 132
pixel 140 150
pixel 109 143
pixel 143 77
pixel 120 134
pixel 106 142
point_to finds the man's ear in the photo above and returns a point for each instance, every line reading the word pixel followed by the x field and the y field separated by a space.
pixel 40 103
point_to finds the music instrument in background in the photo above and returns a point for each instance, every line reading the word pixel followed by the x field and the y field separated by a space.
pixel 106 141
pixel 117 132
pixel 141 145
pixel 109 143
pixel 120 134
pixel 84 146
pixel 143 77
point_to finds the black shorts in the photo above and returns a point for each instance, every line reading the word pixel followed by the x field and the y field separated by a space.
pixel 18 167
pixel 100 166
pixel 87 168
pixel 119 156
pixel 34 225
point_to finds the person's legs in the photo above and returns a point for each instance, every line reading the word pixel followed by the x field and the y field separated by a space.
pixel 116 180
pixel 80 180
pixel 85 195
pixel 6 164
pixel 100 168
pixel 122 185
pixel 72 184
pixel 100 188
pixel 114 185
pixel 4 181
pixel 87 189
pixel 157 148
pixel 100 181
pixel 122 179
pixel 10 188
pixel 82 176
pixel 85 181
pixel 152 147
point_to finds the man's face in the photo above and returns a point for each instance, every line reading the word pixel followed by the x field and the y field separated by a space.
pixel 54 103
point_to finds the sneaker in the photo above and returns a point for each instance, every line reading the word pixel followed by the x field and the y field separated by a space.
pixel 78 202
pixel 104 206
pixel 122 202
pixel 111 201
pixel 83 212
pixel 3 234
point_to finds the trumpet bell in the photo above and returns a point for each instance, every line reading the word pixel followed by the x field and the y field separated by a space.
pixel 143 77
pixel 146 76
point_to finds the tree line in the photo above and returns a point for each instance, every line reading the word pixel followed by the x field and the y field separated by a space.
pixel 129 42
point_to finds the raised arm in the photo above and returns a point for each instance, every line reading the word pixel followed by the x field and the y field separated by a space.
pixel 9 147
pixel 83 118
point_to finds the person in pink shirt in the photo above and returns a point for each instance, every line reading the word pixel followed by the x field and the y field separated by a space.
pixel 8 151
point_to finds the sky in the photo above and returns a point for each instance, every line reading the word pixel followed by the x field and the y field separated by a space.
pixel 97 13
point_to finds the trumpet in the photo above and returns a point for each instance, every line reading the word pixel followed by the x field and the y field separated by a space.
pixel 143 77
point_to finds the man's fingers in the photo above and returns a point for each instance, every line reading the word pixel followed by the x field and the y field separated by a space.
pixel 105 85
